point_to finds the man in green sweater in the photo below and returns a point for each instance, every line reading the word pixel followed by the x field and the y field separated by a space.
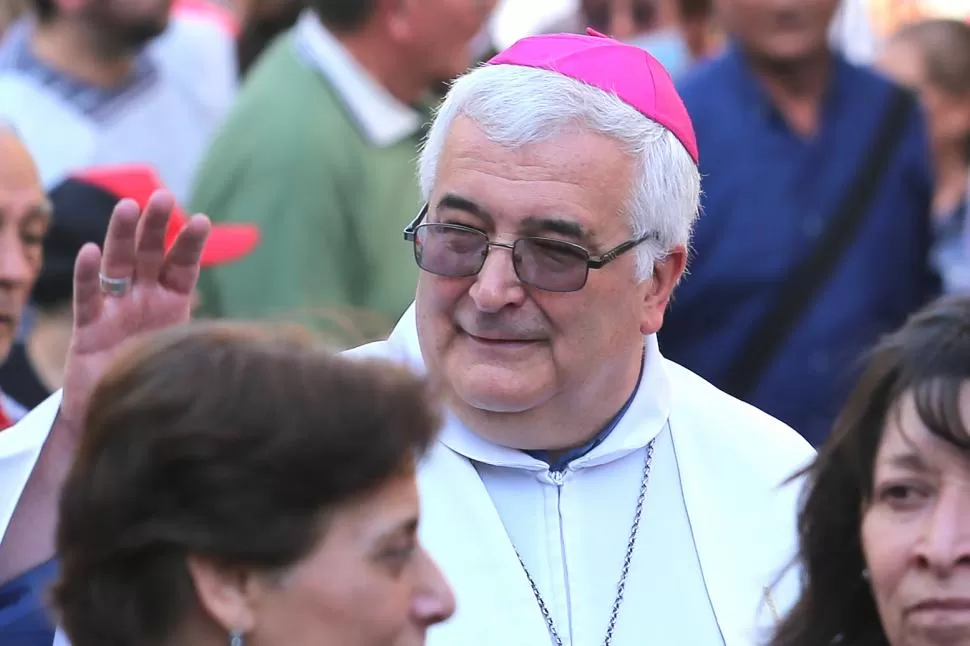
pixel 320 152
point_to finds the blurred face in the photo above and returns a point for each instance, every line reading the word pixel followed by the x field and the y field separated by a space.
pixel 437 35
pixel 368 582
pixel 620 18
pixel 916 535
pixel 781 31
pixel 505 346
pixel 24 218
pixel 129 24
pixel 948 115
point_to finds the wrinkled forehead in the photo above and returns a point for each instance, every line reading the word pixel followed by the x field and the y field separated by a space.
pixel 575 175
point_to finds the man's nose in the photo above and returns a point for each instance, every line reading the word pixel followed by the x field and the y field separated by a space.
pixel 497 285
pixel 945 542
pixel 433 601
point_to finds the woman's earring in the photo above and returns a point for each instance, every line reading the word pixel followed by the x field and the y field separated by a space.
pixel 236 638
pixel 865 574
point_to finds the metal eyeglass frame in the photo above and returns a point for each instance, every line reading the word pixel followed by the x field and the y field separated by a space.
pixel 592 262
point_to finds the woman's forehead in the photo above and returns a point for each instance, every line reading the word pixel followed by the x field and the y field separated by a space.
pixel 909 442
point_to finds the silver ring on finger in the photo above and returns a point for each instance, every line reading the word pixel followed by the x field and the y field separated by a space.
pixel 114 286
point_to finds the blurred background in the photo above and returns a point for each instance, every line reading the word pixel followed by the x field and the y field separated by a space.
pixel 295 125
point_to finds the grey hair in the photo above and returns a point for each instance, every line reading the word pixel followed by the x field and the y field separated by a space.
pixel 517 106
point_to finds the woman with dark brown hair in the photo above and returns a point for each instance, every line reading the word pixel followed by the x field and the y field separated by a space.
pixel 235 487
pixel 885 523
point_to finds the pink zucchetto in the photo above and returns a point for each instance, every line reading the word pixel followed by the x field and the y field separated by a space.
pixel 629 72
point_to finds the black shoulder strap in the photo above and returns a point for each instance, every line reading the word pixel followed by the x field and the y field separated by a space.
pixel 802 285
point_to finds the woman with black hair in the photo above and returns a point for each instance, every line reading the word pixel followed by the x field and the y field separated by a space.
pixel 884 528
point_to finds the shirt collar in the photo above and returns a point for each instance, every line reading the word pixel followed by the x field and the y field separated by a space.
pixel 563 460
pixel 382 118
pixel 754 94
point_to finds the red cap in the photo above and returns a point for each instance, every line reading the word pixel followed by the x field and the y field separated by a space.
pixel 226 242
pixel 629 72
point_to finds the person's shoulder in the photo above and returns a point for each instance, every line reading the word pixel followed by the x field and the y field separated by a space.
pixel 281 121
pixel 281 72
pixel 865 81
pixel 59 136
pixel 874 92
pixel 387 351
pixel 742 431
pixel 283 102
pixel 703 77
pixel 401 346
pixel 375 350
pixel 198 54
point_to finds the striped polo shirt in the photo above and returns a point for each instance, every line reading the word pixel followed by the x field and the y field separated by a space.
pixel 164 114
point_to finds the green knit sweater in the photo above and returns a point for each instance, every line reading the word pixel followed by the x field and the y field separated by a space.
pixel 331 206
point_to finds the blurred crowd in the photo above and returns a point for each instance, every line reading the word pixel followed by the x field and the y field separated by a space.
pixel 833 150
pixel 300 127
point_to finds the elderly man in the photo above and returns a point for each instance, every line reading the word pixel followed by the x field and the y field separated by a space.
pixel 319 152
pixel 584 490
pixel 81 206
pixel 25 214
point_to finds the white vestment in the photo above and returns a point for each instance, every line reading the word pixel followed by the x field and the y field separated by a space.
pixel 717 530
pixel 718 526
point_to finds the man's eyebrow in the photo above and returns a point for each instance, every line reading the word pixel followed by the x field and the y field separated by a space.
pixel 561 226
pixel 454 202
pixel 532 224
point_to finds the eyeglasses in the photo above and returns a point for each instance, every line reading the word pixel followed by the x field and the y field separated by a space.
pixel 457 251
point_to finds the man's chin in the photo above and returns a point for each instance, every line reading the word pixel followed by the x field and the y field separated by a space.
pixel 495 394
pixel 498 405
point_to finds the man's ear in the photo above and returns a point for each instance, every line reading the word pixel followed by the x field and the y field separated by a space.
pixel 660 287
pixel 395 17
pixel 227 595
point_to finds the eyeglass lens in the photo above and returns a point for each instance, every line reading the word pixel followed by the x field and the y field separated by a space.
pixel 454 251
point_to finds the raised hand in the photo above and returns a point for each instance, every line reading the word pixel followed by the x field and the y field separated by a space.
pixel 134 287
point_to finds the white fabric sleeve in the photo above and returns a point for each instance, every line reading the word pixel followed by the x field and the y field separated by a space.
pixel 20 446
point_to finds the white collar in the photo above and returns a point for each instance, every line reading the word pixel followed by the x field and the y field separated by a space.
pixel 645 418
pixel 383 119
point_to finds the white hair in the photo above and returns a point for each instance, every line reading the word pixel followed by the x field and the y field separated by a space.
pixel 516 106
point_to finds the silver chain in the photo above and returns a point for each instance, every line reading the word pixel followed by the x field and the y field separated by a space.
pixel 627 559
